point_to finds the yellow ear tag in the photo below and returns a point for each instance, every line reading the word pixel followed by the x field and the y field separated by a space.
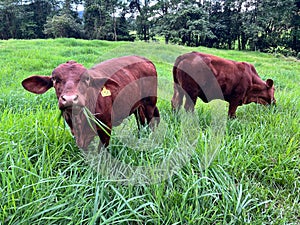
pixel 105 92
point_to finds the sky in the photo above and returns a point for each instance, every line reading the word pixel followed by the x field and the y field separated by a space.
pixel 80 7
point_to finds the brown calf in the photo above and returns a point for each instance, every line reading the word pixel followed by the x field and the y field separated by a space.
pixel 111 90
pixel 210 77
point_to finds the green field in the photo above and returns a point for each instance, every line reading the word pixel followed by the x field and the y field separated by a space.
pixel 45 179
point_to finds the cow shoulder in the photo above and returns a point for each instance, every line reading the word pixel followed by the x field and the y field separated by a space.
pixel 244 72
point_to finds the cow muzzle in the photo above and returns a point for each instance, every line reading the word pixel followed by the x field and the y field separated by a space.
pixel 67 101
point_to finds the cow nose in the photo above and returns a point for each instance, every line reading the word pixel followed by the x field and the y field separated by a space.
pixel 69 100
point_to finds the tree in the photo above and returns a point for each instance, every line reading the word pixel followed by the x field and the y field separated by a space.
pixel 101 20
pixel 65 22
pixel 143 22
pixel 187 23
pixel 25 19
pixel 165 10
pixel 122 29
pixel 9 18
pixel 266 22
pixel 218 25
pixel 97 20
pixel 62 26
pixel 225 19
pixel 294 39
pixel 245 24
pixel 34 18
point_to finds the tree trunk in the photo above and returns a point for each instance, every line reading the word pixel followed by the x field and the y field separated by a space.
pixel 167 39
pixel 115 28
pixel 243 41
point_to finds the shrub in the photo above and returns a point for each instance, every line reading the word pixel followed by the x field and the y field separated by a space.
pixel 281 50
pixel 62 26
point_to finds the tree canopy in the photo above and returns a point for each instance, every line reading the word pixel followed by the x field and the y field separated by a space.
pixel 264 25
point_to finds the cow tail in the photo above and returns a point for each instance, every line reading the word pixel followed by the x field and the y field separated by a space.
pixel 175 69
pixel 175 74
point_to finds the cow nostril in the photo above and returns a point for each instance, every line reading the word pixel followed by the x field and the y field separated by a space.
pixel 69 99
pixel 75 99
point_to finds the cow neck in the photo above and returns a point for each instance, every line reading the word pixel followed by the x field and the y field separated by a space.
pixel 257 80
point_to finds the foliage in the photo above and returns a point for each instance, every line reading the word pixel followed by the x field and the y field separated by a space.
pixel 271 18
pixel 102 22
pixel 256 25
pixel 281 50
pixel 188 24
pixel 230 24
pixel 62 26
pixel 45 178
pixel 23 21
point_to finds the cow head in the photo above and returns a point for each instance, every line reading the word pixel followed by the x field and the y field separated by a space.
pixel 75 87
pixel 262 93
pixel 71 82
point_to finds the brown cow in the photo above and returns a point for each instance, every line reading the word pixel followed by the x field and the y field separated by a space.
pixel 111 90
pixel 210 77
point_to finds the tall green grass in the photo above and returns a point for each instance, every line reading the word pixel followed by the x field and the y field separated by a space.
pixel 46 179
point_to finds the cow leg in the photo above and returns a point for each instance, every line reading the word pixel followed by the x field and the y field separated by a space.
pixel 152 115
pixel 156 116
pixel 190 102
pixel 140 117
pixel 177 98
pixel 232 109
pixel 151 111
pixel 104 137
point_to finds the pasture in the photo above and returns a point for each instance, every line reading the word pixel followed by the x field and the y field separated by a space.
pixel 254 177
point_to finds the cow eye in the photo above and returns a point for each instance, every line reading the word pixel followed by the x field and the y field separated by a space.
pixel 56 80
pixel 86 79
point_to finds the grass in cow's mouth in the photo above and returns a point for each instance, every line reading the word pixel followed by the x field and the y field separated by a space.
pixel 45 179
pixel 91 118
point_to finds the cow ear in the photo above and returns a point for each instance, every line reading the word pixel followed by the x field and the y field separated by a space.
pixel 269 83
pixel 37 84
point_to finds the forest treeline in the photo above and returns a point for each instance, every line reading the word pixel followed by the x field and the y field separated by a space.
pixel 265 25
